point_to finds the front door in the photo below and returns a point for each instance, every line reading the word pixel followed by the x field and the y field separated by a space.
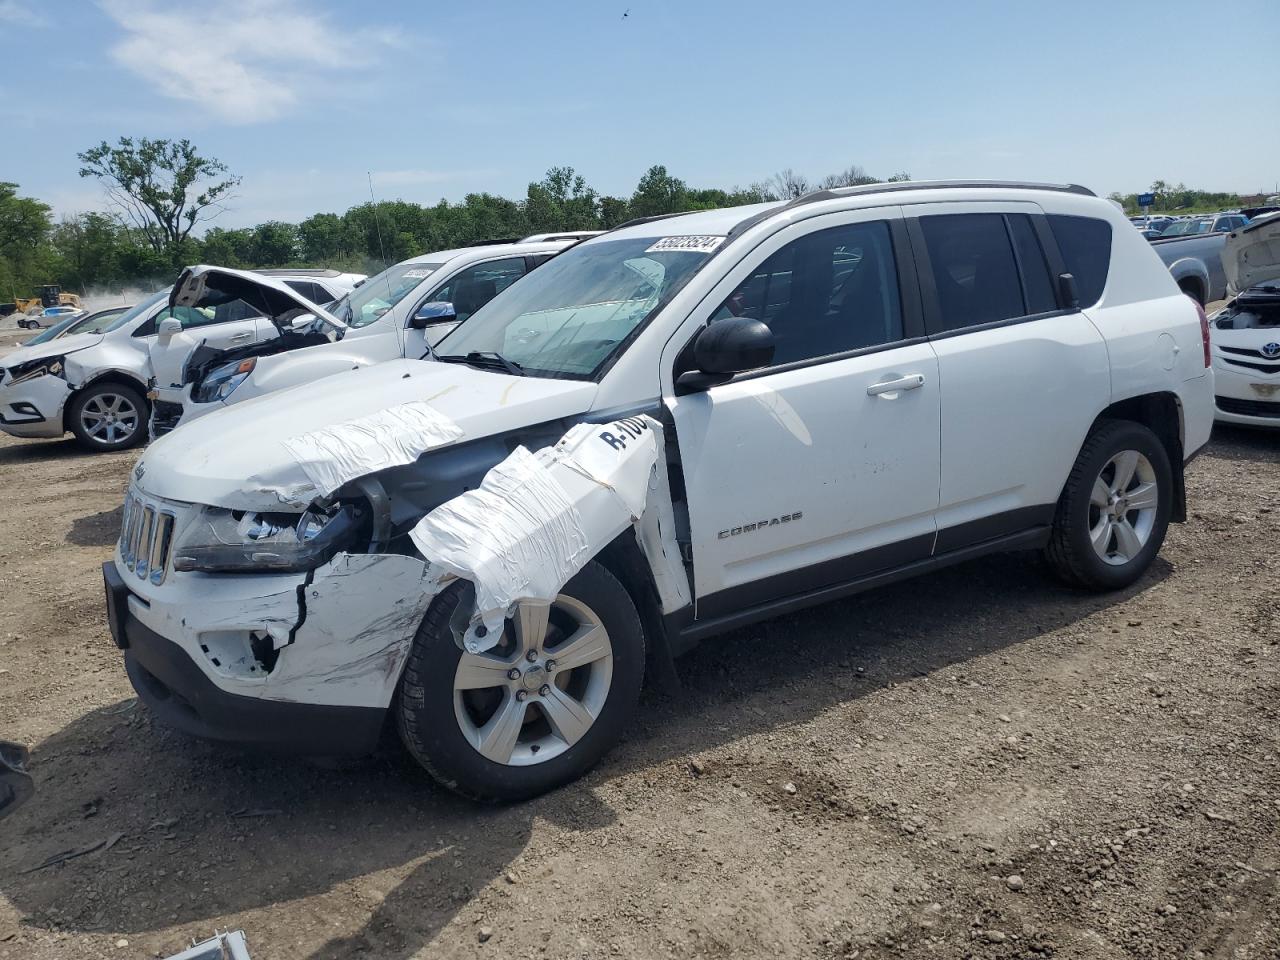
pixel 823 467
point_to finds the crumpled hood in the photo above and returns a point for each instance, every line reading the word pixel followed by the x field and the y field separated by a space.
pixel 1251 255
pixel 54 348
pixel 244 456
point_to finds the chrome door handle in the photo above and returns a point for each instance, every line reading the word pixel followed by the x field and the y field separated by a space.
pixel 911 381
pixel 241 336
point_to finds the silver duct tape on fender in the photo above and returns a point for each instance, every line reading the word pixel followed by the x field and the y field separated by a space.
pixel 537 518
pixel 356 448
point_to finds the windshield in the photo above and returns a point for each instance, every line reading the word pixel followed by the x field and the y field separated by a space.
pixel 568 317
pixel 44 336
pixel 97 322
pixel 367 302
pixel 135 312
pixel 1186 227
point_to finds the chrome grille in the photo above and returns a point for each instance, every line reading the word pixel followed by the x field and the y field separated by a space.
pixel 146 536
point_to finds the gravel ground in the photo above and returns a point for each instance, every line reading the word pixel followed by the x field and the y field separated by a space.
pixel 977 763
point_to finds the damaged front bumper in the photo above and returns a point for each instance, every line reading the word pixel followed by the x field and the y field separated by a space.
pixel 33 408
pixel 307 664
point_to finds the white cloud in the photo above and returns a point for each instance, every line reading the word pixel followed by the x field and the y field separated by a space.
pixel 12 11
pixel 244 61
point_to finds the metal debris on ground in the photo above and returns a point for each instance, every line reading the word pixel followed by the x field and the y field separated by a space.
pixel 221 946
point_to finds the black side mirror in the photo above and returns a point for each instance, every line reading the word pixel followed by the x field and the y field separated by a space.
pixel 1068 295
pixel 727 347
pixel 433 314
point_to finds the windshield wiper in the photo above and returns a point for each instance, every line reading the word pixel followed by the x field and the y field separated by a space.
pixel 485 359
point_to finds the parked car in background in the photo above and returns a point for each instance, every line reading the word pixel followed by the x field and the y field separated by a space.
pixel 48 316
pixel 401 312
pixel 319 286
pixel 95 322
pixel 94 384
pixel 1195 262
pixel 1218 223
pixel 1246 332
pixel 736 414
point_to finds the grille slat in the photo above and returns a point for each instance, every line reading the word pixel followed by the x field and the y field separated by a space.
pixel 146 537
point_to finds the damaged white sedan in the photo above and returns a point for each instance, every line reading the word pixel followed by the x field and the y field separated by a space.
pixel 668 431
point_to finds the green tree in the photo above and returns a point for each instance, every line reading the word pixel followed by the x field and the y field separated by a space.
pixel 657 193
pixel 25 226
pixel 163 187
pixel 275 244
pixel 613 211
pixel 91 249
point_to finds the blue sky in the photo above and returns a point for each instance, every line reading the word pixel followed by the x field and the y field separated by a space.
pixel 302 97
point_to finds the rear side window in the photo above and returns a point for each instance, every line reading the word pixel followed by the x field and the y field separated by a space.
pixel 1085 243
pixel 312 291
pixel 974 270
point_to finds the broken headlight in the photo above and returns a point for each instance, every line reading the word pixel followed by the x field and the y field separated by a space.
pixel 44 367
pixel 221 381
pixel 236 541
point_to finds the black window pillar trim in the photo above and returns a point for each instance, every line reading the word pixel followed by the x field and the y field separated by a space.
pixel 1053 255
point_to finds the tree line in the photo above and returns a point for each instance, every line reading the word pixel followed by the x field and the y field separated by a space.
pixel 161 193
pixel 1179 198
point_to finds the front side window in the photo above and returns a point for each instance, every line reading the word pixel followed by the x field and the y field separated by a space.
pixel 369 301
pixel 1085 243
pixel 570 316
pixel 826 293
pixel 974 271
pixel 470 289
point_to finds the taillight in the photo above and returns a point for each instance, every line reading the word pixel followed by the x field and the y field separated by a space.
pixel 1204 332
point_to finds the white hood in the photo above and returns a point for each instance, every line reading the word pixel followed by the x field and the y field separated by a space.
pixel 54 348
pixel 282 301
pixel 1251 255
pixel 242 457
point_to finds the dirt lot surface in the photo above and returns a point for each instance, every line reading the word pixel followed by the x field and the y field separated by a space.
pixel 979 763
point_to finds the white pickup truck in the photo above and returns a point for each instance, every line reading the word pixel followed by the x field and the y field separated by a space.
pixel 680 427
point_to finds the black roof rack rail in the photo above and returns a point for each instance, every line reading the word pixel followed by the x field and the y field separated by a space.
pixel 906 185
pixel 657 216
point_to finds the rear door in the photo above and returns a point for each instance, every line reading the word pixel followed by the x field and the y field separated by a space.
pixel 1023 374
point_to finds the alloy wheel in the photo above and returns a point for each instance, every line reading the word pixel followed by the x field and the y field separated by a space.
pixel 1122 507
pixel 539 691
pixel 110 418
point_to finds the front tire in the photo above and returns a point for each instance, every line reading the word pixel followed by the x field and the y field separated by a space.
pixel 108 416
pixel 1114 510
pixel 539 709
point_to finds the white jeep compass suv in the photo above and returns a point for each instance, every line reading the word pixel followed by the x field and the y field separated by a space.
pixel 679 427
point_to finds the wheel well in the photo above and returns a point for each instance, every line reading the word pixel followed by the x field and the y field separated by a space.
pixel 1193 288
pixel 111 376
pixel 626 561
pixel 1161 413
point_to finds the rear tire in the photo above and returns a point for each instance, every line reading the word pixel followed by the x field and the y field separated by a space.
pixel 108 416
pixel 452 712
pixel 1114 510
